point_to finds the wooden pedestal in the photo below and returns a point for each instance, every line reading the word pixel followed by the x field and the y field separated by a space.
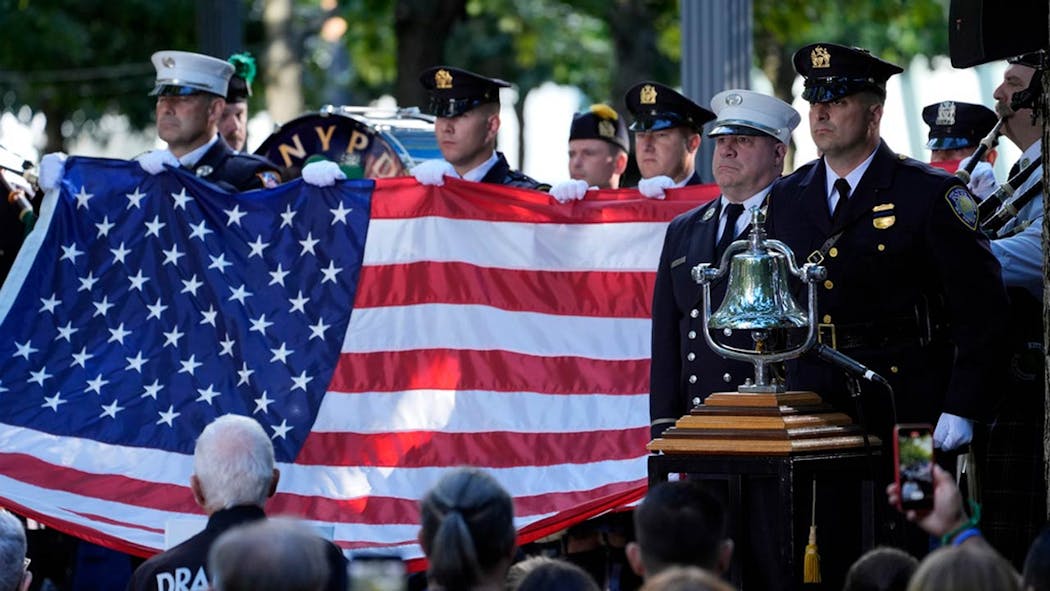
pixel 740 423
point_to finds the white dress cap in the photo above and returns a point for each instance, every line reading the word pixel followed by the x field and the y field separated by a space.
pixel 192 70
pixel 746 112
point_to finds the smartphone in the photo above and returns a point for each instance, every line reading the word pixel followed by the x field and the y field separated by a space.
pixel 377 572
pixel 913 458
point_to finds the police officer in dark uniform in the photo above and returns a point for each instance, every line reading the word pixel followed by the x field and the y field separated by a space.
pixel 956 129
pixel 912 289
pixel 191 94
pixel 466 106
pixel 667 128
pixel 752 131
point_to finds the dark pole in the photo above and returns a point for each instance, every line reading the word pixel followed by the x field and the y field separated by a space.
pixel 220 27
pixel 716 55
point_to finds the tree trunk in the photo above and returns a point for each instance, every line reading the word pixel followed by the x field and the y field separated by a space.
pixel 282 67
pixel 421 27
pixel 54 116
pixel 635 41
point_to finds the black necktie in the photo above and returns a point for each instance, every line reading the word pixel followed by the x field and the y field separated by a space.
pixel 842 186
pixel 733 211
pixel 1016 168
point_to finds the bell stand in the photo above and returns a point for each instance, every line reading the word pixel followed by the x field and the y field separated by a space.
pixel 760 418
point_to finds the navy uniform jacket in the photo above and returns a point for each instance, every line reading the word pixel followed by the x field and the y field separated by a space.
pixel 501 174
pixel 906 249
pixel 185 565
pixel 234 171
pixel 684 369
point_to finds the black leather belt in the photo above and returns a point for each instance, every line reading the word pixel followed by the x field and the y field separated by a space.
pixel 872 335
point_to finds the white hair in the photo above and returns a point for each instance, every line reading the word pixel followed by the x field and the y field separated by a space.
pixel 12 551
pixel 233 462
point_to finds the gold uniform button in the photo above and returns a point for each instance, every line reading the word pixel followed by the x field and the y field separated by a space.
pixel 834 252
pixel 828 284
pixel 894 369
pixel 827 319
pixel 881 247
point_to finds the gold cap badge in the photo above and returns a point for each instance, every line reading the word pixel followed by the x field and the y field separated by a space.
pixel 820 57
pixel 647 96
pixel 606 129
pixel 442 79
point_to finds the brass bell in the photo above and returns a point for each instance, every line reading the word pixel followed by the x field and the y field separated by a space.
pixel 758 296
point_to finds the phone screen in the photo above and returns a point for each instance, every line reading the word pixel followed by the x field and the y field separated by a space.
pixel 370 572
pixel 914 452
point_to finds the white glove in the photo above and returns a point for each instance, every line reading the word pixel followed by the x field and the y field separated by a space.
pixel 153 161
pixel 433 172
pixel 653 188
pixel 323 173
pixel 952 431
pixel 52 167
pixel 572 190
pixel 982 179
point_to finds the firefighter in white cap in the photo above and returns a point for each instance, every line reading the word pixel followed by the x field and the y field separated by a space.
pixel 191 95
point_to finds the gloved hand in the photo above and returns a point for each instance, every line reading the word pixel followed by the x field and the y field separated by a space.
pixel 653 188
pixel 323 173
pixel 153 161
pixel 982 179
pixel 571 190
pixel 52 167
pixel 952 431
pixel 433 172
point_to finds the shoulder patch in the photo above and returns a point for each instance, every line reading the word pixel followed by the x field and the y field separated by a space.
pixel 269 178
pixel 962 203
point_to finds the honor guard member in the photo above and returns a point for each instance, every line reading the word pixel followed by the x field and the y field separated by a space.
pixel 956 129
pixel 234 122
pixel 667 128
pixel 905 260
pixel 1013 489
pixel 466 107
pixel 191 94
pixel 752 131
pixel 598 147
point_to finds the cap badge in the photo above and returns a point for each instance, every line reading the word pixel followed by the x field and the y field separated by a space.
pixel 606 129
pixel 946 113
pixel 168 62
pixel 442 79
pixel 647 96
pixel 820 57
pixel 734 99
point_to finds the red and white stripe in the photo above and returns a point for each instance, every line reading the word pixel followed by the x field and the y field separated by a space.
pixel 491 328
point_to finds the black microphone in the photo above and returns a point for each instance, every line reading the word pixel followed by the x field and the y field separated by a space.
pixel 848 364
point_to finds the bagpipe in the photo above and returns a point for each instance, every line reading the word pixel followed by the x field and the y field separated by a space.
pixel 19 187
pixel 1004 204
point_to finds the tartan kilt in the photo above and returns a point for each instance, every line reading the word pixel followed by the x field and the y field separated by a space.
pixel 1012 482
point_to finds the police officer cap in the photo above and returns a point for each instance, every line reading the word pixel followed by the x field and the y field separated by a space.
pixel 956 125
pixel 244 71
pixel 745 112
pixel 182 73
pixel 454 91
pixel 655 107
pixel 601 122
pixel 1032 60
pixel 833 71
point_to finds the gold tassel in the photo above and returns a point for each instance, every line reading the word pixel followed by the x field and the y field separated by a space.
pixel 811 562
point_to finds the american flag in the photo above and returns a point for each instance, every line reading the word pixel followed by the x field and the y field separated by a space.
pixel 381 332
